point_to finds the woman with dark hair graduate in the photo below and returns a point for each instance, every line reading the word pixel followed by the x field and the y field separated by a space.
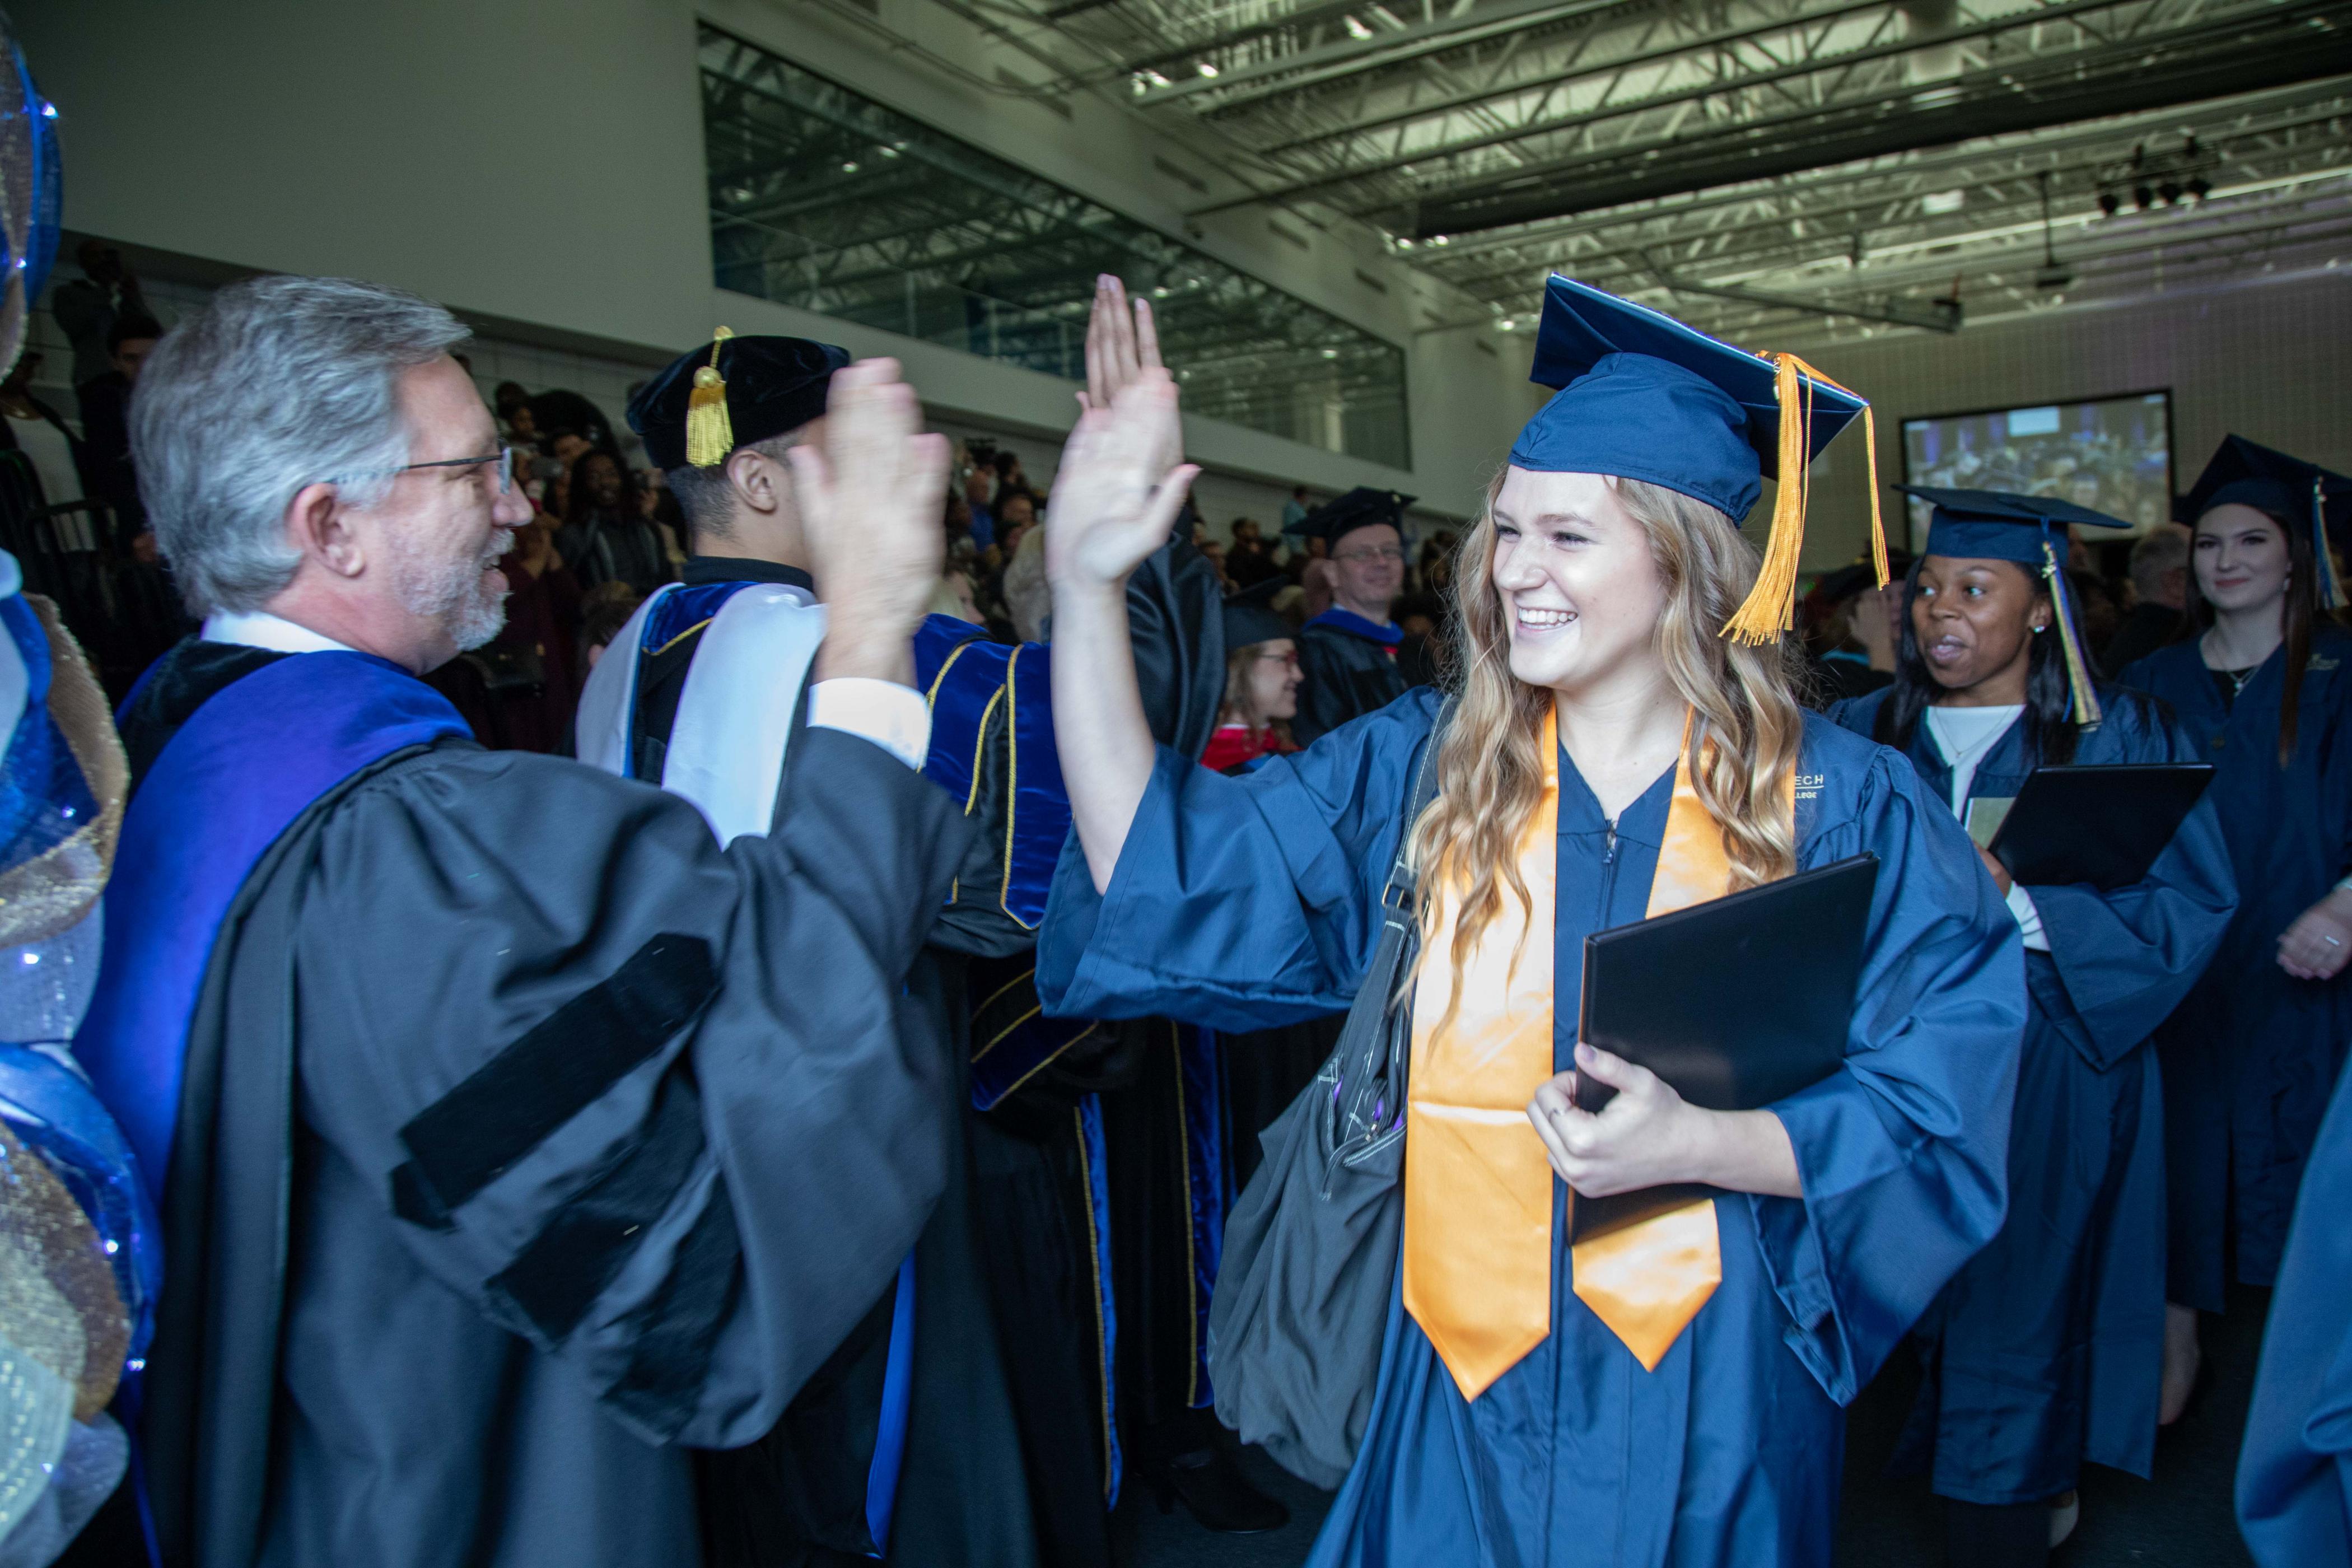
pixel 1671 1392
pixel 2046 1349
pixel 2265 694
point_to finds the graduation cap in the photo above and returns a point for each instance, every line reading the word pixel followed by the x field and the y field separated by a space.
pixel 1360 507
pixel 1250 615
pixel 1643 396
pixel 2245 473
pixel 730 392
pixel 1999 525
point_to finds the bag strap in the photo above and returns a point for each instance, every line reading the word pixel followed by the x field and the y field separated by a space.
pixel 1374 1104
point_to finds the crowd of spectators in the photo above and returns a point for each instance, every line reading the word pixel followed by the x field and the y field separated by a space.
pixel 604 531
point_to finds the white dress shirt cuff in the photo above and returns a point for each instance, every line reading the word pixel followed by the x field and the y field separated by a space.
pixel 894 717
pixel 2028 918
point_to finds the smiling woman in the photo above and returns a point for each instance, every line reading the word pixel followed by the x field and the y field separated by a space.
pixel 1612 755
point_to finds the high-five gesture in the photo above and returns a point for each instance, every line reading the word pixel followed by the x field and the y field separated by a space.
pixel 872 503
pixel 1122 348
pixel 1115 498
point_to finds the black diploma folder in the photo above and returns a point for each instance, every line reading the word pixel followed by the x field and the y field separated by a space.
pixel 1737 1003
pixel 2104 825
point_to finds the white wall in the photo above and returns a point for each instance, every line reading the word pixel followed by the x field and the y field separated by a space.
pixel 540 166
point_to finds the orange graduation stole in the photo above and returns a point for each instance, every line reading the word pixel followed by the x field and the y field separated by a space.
pixel 1477 1186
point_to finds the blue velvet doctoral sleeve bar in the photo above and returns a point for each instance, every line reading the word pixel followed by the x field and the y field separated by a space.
pixel 1903 1154
pixel 2128 955
pixel 1239 902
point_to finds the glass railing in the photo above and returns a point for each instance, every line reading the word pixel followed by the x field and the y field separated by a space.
pixel 826 200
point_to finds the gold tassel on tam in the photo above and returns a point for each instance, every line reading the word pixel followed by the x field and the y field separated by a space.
pixel 709 433
pixel 2078 673
pixel 1771 607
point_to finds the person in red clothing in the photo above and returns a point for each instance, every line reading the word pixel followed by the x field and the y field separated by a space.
pixel 1262 678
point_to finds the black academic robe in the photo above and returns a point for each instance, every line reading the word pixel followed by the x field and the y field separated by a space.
pixel 657 1257
pixel 1350 665
pixel 796 1497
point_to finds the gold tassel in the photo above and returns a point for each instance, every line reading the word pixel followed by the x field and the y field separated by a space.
pixel 1771 607
pixel 2078 673
pixel 709 433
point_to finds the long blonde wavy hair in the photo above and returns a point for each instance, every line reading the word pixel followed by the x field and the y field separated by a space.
pixel 1490 764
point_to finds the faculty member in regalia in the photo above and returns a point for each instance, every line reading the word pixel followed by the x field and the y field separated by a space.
pixel 1349 653
pixel 512 1135
pixel 2047 1348
pixel 1613 755
pixel 2263 688
pixel 908 1446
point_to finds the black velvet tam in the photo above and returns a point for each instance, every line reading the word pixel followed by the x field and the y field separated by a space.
pixel 773 386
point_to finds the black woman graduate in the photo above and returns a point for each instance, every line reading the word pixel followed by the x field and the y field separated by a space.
pixel 2045 1351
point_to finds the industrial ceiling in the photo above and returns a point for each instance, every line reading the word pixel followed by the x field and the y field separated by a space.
pixel 1842 167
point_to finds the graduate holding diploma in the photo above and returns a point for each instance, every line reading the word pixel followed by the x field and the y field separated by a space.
pixel 2047 1348
pixel 1626 743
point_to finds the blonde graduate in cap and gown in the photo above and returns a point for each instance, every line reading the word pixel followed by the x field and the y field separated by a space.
pixel 1627 741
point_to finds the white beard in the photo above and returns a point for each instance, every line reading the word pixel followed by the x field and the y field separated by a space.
pixel 452 592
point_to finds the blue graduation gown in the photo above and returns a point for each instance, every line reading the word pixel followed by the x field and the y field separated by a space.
pixel 1247 901
pixel 2294 1476
pixel 2047 1348
pixel 2250 1057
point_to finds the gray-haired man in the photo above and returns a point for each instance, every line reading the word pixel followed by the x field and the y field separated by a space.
pixel 509 1133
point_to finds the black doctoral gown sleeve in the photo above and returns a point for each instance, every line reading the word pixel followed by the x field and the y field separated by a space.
pixel 658 1108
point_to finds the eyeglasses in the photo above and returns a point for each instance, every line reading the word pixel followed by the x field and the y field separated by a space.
pixel 1381 553
pixel 1288 661
pixel 503 457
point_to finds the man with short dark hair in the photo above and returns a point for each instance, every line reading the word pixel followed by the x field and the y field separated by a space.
pixel 695 694
pixel 1349 650
pixel 510 1134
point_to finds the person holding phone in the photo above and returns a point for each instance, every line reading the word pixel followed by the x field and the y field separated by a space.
pixel 1675 1392
pixel 2045 1350
pixel 2262 689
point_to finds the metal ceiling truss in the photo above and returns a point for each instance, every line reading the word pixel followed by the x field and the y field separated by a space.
pixel 1909 230
pixel 826 200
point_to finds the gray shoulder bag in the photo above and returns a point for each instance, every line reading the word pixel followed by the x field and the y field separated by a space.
pixel 1311 1246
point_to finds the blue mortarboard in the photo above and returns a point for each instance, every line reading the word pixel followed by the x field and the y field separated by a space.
pixel 1359 507
pixel 1999 525
pixel 2247 473
pixel 766 386
pixel 1643 396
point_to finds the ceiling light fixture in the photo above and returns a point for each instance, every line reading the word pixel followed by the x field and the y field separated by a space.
pixel 1356 29
pixel 1207 69
pixel 2053 274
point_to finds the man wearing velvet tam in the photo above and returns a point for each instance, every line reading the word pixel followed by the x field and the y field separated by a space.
pixel 1350 651
pixel 906 1448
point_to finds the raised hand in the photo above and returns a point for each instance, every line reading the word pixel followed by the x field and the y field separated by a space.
pixel 1122 347
pixel 1116 496
pixel 871 504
